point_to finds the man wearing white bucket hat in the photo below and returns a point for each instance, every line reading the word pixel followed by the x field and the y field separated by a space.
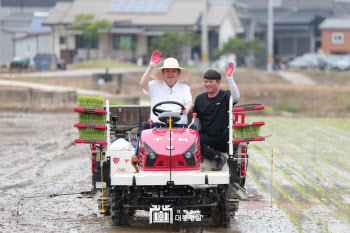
pixel 166 86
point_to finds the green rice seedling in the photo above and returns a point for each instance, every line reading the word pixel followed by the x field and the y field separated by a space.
pixel 249 131
pixel 89 101
pixel 324 224
pixel 94 119
pixel 294 219
pixel 92 134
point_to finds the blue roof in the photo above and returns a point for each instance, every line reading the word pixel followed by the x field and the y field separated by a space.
pixel 36 26
pixel 140 6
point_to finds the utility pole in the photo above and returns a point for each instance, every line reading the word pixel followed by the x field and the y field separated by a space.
pixel 0 35
pixel 270 37
pixel 204 43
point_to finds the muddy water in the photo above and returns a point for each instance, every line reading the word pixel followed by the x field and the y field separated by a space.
pixel 38 158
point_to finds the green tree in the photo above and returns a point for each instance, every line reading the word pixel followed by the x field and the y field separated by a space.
pixel 171 43
pixel 90 28
pixel 192 38
pixel 242 48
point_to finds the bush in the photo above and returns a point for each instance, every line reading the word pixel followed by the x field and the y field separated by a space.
pixel 171 43
pixel 242 48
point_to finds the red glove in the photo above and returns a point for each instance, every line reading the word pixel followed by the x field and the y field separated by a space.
pixel 229 70
pixel 155 59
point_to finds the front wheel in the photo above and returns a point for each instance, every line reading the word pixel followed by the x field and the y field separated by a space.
pixel 119 214
pixel 221 213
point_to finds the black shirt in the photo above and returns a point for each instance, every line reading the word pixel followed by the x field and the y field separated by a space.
pixel 213 112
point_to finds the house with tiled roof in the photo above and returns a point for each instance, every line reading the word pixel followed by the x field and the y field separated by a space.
pixel 16 18
pixel 135 23
pixel 36 39
pixel 335 33
pixel 296 24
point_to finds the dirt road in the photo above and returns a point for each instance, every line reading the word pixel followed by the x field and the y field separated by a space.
pixel 296 78
pixel 38 158
pixel 70 73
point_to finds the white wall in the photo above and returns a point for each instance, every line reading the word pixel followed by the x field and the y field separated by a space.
pixel 7 47
pixel 56 33
pixel 30 46
pixel 226 31
pixel 141 45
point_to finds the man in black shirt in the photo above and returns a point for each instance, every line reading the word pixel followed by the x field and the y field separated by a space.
pixel 212 109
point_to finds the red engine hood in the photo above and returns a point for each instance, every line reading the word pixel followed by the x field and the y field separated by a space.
pixel 159 139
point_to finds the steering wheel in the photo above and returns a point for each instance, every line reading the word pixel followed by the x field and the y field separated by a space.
pixel 156 110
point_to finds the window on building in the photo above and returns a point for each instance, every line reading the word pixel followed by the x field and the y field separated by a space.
pixel 83 43
pixel 62 40
pixel 337 38
pixel 124 42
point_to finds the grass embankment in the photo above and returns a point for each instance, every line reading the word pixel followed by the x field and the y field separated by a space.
pixel 311 168
pixel 103 63
pixel 330 77
pixel 316 100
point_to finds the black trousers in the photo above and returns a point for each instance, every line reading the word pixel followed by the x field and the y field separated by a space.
pixel 212 145
pixel 217 142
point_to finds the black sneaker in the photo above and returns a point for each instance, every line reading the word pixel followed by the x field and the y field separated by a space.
pixel 222 160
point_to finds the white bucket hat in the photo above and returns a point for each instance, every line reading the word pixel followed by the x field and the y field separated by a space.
pixel 171 63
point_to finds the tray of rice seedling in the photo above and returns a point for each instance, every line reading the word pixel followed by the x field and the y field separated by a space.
pixel 92 134
pixel 247 132
pixel 260 123
pixel 256 139
pixel 92 119
pixel 248 107
pixel 90 141
pixel 90 104
pixel 90 110
pixel 90 126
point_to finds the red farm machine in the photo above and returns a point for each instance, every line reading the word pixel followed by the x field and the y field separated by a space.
pixel 172 175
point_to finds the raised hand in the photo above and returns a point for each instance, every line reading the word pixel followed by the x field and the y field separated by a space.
pixel 156 58
pixel 229 69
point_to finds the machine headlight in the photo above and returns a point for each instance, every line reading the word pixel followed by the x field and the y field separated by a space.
pixel 188 155
pixel 152 155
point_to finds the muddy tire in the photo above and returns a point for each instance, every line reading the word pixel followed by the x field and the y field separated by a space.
pixel 226 209
pixel 118 218
pixel 234 204
pixel 114 210
pixel 221 214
